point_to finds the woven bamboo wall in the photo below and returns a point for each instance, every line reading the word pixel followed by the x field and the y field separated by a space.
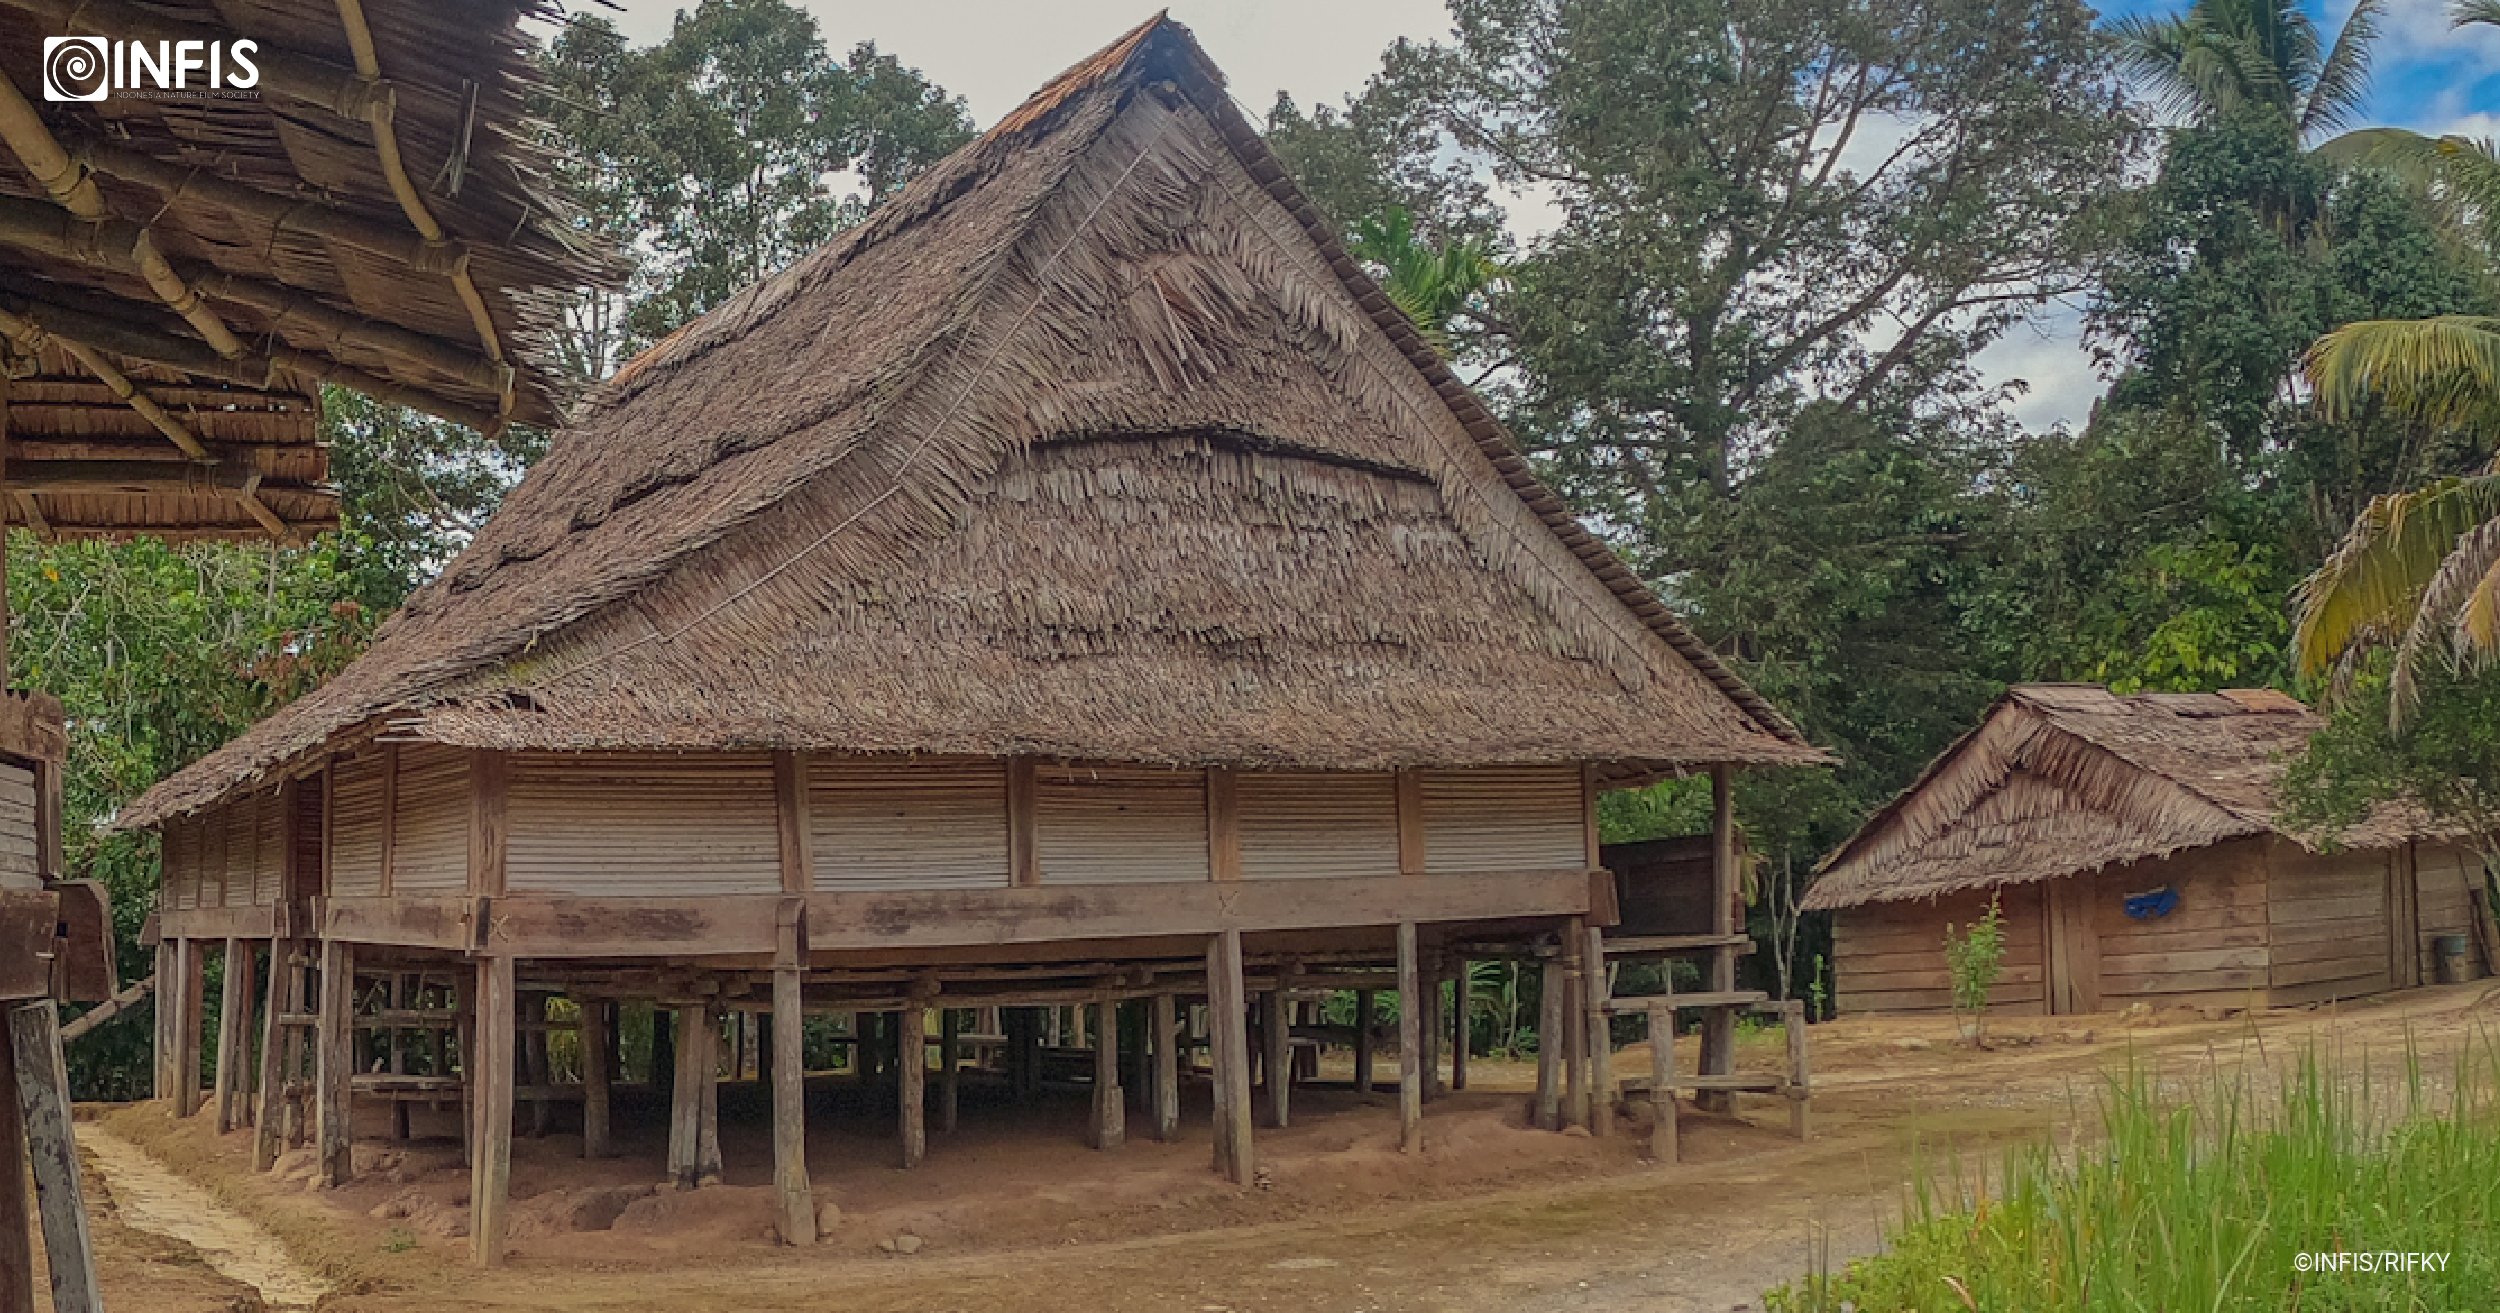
pixel 232 856
pixel 1318 824
pixel 355 859
pixel 1120 824
pixel 879 824
pixel 637 824
pixel 1504 818
pixel 430 821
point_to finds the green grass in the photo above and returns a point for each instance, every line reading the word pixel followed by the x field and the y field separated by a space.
pixel 2203 1197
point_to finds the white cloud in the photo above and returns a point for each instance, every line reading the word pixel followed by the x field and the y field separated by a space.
pixel 2047 354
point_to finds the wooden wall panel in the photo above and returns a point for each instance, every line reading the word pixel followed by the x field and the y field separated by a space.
pixel 642 824
pixel 2215 942
pixel 430 821
pixel 21 863
pixel 2327 921
pixel 1504 818
pixel 268 847
pixel 888 824
pixel 1119 824
pixel 181 856
pixel 1317 824
pixel 355 857
pixel 2445 874
pixel 1889 957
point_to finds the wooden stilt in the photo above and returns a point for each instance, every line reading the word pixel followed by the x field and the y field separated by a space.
pixel 1575 1028
pixel 707 1164
pixel 1553 989
pixel 1459 1036
pixel 191 996
pixel 42 1080
pixel 1276 1035
pixel 400 996
pixel 1162 1027
pixel 685 1123
pixel 1600 1037
pixel 335 1062
pixel 234 1034
pixel 167 1007
pixel 464 1022
pixel 911 1069
pixel 1428 1017
pixel 1800 1085
pixel 1410 1042
pixel 1718 1025
pixel 1363 1043
pixel 950 1069
pixel 1229 1021
pixel 595 1091
pixel 1110 1102
pixel 663 1074
pixel 1662 1145
pixel 17 1251
pixel 1024 1055
pixel 534 1058
pixel 490 1077
pixel 791 1190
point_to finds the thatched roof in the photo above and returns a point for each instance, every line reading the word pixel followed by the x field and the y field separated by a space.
pixel 1094 444
pixel 2060 779
pixel 180 271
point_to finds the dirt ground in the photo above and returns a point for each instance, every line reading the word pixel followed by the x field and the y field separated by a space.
pixel 1012 1213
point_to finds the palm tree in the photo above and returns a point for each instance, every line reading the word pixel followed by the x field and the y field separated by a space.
pixel 1433 285
pixel 2220 55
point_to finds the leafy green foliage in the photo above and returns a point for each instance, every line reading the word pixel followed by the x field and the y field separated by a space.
pixel 1975 958
pixel 2445 761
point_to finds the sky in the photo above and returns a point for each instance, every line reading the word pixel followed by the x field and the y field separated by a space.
pixel 995 52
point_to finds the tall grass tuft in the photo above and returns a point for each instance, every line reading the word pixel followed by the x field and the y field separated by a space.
pixel 2203 1196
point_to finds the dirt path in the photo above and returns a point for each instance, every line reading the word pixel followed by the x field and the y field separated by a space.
pixel 151 1199
pixel 1492 1218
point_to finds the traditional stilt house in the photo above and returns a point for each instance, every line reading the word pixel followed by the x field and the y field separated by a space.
pixel 1074 585
pixel 2132 846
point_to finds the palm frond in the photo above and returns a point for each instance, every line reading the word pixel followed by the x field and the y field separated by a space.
pixel 2465 13
pixel 2457 603
pixel 2343 79
pixel 2371 587
pixel 2174 61
pixel 2442 370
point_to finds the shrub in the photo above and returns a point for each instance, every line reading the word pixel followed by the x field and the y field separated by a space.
pixel 1975 958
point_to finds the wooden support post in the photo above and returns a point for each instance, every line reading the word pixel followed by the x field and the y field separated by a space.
pixel 334 1061
pixel 595 1089
pixel 1800 1084
pixel 167 1008
pixel 1575 1029
pixel 1163 1027
pixel 950 1069
pixel 490 1080
pixel 1718 1025
pixel 707 1160
pixel 1024 1052
pixel 1410 1042
pixel 17 1251
pixel 1553 989
pixel 400 1108
pixel 1600 1037
pixel 533 1058
pixel 190 999
pixel 464 1022
pixel 1363 1043
pixel 42 1081
pixel 1662 1081
pixel 1459 1036
pixel 1276 1064
pixel 234 1035
pixel 685 1123
pixel 1428 1017
pixel 911 1067
pixel 1110 1102
pixel 790 1186
pixel 1229 1021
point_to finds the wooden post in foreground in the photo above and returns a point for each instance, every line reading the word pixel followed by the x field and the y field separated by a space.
pixel 797 1199
pixel 1662 1080
pixel 1228 1020
pixel 595 1090
pixel 1276 1038
pixel 234 1034
pixel 17 1251
pixel 1363 1043
pixel 1428 1016
pixel 189 995
pixel 1800 1084
pixel 911 1068
pixel 1162 1027
pixel 334 1061
pixel 1718 1025
pixel 1459 1037
pixel 490 1081
pixel 1601 1038
pixel 165 1009
pixel 43 1108
pixel 268 1120
pixel 1110 1128
pixel 685 1109
pixel 1553 982
pixel 950 1068
pixel 1410 1042
pixel 1575 1026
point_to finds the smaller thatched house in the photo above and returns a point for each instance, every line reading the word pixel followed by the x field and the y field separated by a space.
pixel 2132 843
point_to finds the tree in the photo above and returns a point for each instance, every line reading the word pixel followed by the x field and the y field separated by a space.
pixel 1436 287
pixel 2445 761
pixel 2220 56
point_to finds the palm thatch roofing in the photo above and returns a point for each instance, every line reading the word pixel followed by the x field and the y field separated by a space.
pixel 180 271
pixel 1091 444
pixel 2061 779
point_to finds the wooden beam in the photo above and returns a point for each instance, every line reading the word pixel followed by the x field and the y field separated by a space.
pixel 1575 1026
pixel 334 1060
pixel 791 1191
pixel 490 778
pixel 42 1080
pixel 1228 1019
pixel 489 1087
pixel 698 1034
pixel 1110 1120
pixel 1410 1041
pixel 911 1070
pixel 798 857
pixel 1024 868
pixel 1428 1020
pixel 1163 1025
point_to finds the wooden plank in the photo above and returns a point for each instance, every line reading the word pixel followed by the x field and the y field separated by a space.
pixel 17 1216
pixel 234 1035
pixel 191 973
pixel 285 994
pixel 790 802
pixel 1800 1083
pixel 1223 824
pixel 1410 1041
pixel 1718 1029
pixel 334 1059
pixel 1024 865
pixel 444 921
pixel 42 1080
pixel 541 926
pixel 491 1091
pixel 1412 856
pixel 950 1069
pixel 596 1094
pixel 1110 1120
pixel 1276 1062
pixel 911 1058
pixel 791 1191
pixel 1163 1025
pixel 490 784
pixel 390 818
pixel 1228 1019
pixel 239 922
pixel 1662 1131
pixel 1549 1045
pixel 1600 1038
pixel 1429 1019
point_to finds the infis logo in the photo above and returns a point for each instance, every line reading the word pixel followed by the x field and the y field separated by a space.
pixel 92 68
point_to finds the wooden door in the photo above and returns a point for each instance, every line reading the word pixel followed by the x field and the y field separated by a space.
pixel 2404 920
pixel 2073 947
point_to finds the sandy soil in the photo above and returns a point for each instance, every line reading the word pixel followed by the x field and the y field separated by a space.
pixel 1012 1213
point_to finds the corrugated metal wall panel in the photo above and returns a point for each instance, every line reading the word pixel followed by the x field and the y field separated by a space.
pixel 908 825
pixel 20 865
pixel 1317 824
pixel 430 824
pixel 182 861
pixel 1119 824
pixel 355 858
pixel 1504 818
pixel 642 824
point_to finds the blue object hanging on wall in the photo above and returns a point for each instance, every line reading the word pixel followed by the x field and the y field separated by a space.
pixel 2152 906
